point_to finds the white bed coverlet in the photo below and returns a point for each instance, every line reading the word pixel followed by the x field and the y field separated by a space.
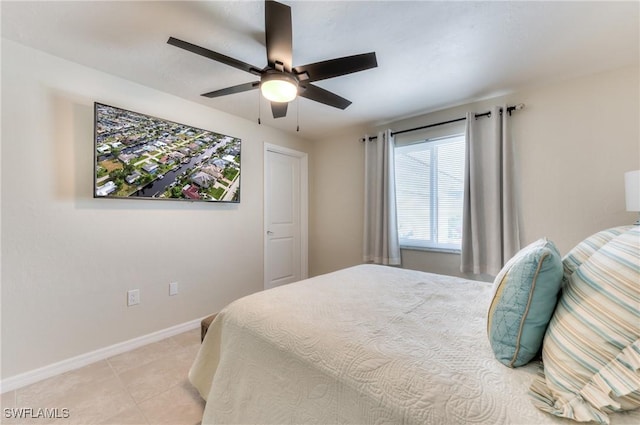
pixel 365 345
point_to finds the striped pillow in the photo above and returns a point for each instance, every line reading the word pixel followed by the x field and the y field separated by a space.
pixel 585 249
pixel 591 351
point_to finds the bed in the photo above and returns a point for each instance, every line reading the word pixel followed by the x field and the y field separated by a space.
pixel 364 345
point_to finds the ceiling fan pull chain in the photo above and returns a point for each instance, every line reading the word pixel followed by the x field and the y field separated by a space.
pixel 298 114
pixel 259 109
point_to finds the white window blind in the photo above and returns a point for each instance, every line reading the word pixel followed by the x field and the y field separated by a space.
pixel 429 192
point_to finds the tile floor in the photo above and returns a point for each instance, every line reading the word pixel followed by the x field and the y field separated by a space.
pixel 145 386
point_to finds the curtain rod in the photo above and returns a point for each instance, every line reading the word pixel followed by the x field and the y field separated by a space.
pixel 510 109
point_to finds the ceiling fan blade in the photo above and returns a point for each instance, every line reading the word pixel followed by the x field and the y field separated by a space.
pixel 324 96
pixel 278 34
pixel 231 90
pixel 219 57
pixel 336 67
pixel 279 109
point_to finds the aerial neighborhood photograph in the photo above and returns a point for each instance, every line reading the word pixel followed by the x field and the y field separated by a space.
pixel 139 156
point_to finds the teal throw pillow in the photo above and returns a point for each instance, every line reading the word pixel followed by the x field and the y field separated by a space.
pixel 525 295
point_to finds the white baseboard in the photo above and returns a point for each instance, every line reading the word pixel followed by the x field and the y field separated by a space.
pixel 28 378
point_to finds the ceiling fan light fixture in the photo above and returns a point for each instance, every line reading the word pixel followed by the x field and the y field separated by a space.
pixel 279 87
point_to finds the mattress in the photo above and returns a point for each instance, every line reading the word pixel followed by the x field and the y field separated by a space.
pixel 364 345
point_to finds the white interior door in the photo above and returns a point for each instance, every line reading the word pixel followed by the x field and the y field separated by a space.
pixel 285 207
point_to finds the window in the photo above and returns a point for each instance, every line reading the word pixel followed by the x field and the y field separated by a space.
pixel 429 192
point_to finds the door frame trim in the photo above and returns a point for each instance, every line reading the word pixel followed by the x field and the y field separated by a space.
pixel 304 207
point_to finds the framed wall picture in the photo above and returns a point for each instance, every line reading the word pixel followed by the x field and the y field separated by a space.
pixel 138 156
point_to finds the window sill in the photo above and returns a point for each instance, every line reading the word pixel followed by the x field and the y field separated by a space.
pixel 431 249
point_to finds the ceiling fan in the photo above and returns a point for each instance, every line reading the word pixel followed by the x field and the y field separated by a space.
pixel 280 82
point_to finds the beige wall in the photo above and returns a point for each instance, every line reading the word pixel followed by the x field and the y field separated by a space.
pixel 336 202
pixel 68 259
pixel 574 141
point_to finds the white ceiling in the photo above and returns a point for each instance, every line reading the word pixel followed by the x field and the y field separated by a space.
pixel 430 54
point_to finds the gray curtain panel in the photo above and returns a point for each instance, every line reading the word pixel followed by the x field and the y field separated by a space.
pixel 380 245
pixel 490 230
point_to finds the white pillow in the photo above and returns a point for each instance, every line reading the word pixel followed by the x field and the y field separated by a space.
pixel 591 351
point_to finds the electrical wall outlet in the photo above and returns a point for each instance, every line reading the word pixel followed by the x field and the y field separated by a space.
pixel 133 297
pixel 173 288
